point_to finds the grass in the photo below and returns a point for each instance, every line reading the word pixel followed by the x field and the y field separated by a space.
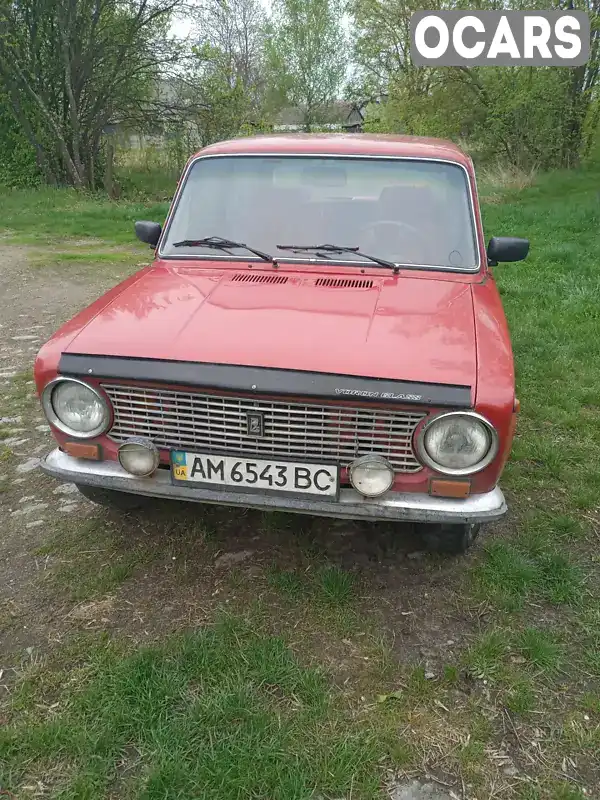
pixel 515 571
pixel 149 171
pixel 48 216
pixel 289 582
pixel 106 553
pixel 224 709
pixel 557 373
pixel 340 670
pixel 540 649
pixel 328 584
pixel 484 659
pixel 335 585
pixel 552 477
pixel 99 257
pixel 499 178
pixel 520 698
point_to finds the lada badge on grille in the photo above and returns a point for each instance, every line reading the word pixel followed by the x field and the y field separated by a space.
pixel 255 424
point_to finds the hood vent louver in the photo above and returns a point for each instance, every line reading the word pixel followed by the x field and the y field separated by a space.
pixel 344 283
pixel 249 277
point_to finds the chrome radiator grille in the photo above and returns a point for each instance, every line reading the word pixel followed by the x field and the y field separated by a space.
pixel 201 422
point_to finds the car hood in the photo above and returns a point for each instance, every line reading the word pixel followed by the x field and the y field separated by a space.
pixel 405 328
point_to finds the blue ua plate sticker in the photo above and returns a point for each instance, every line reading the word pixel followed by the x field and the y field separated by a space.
pixel 179 461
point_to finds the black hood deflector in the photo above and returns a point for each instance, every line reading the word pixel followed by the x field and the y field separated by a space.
pixel 265 380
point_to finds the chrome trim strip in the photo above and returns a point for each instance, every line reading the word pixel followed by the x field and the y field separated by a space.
pixel 394 506
pixel 283 259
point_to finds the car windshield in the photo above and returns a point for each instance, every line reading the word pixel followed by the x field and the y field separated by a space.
pixel 413 212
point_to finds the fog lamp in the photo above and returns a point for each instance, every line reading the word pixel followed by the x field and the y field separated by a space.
pixel 371 475
pixel 139 457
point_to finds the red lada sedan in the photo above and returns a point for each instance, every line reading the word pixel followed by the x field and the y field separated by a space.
pixel 320 332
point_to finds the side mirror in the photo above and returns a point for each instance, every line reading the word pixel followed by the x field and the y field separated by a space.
pixel 148 232
pixel 506 248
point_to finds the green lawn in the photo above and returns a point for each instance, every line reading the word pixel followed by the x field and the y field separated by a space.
pixel 48 216
pixel 305 690
pixel 219 713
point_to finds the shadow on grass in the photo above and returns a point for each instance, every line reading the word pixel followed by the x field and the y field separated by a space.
pixel 101 551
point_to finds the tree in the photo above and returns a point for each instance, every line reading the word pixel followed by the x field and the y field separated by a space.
pixel 69 67
pixel 235 29
pixel 218 90
pixel 223 85
pixel 307 55
pixel 542 117
pixel 581 87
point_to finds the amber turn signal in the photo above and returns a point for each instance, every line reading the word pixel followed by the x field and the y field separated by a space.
pixel 80 450
pixel 457 489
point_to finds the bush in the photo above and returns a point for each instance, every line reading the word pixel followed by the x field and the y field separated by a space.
pixel 18 167
pixel 507 177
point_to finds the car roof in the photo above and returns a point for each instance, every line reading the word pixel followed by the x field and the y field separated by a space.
pixel 343 144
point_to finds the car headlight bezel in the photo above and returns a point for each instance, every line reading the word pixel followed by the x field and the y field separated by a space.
pixel 55 420
pixel 485 461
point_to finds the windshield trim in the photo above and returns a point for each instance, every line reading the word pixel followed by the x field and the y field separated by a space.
pixel 312 260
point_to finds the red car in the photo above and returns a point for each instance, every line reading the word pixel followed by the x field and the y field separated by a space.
pixel 320 332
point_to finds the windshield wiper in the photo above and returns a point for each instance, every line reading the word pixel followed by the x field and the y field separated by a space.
pixel 334 248
pixel 218 243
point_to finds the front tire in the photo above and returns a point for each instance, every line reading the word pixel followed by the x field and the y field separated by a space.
pixel 448 538
pixel 122 501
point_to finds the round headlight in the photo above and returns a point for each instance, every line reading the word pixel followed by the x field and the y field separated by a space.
pixel 458 443
pixel 371 475
pixel 139 457
pixel 75 408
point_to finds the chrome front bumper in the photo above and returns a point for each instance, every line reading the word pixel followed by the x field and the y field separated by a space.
pixel 351 505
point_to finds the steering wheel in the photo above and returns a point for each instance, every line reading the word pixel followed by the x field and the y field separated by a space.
pixel 404 231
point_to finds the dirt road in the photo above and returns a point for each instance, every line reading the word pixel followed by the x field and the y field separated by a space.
pixel 33 303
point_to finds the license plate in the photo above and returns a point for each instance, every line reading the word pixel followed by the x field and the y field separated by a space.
pixel 255 474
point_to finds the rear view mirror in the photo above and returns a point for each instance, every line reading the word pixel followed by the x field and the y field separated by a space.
pixel 148 232
pixel 506 248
